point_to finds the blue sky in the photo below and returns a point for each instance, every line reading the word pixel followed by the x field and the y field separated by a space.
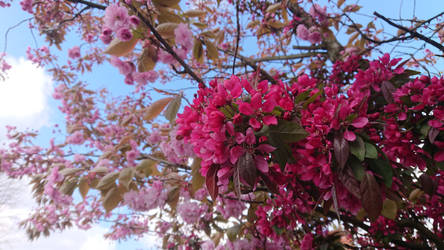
pixel 43 119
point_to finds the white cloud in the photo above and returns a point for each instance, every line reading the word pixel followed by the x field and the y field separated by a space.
pixel 18 209
pixel 24 96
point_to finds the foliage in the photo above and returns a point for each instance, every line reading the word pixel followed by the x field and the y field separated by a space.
pixel 310 130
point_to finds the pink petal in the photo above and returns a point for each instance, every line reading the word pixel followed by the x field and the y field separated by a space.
pixel 255 123
pixel 349 135
pixel 235 153
pixel 360 122
pixel 435 123
pixel 265 148
pixel 239 138
pixel 270 120
pixel 250 138
pixel 439 156
pixel 246 109
pixel 261 164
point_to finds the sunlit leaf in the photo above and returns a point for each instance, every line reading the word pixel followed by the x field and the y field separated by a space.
pixel 156 108
pixel 172 109
pixel 121 48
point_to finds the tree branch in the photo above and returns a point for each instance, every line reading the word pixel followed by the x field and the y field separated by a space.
pixel 90 4
pixel 411 32
pixel 253 65
pixel 167 46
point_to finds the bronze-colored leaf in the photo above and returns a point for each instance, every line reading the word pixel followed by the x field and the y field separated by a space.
pixel 166 3
pixel 371 198
pixel 156 108
pixel 126 176
pixel 147 60
pixel 172 109
pixel 198 51
pixel 68 186
pixel 83 187
pixel 197 179
pixel 121 48
pixel 429 186
pixel 247 169
pixel 69 171
pixel 211 182
pixel 341 150
pixel 212 52
pixel 173 197
pixel 147 167
pixel 273 8
pixel 166 30
pixel 194 13
pixel 389 209
pixel 107 181
pixel 111 199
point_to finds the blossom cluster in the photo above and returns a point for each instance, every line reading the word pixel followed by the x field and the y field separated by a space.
pixel 118 21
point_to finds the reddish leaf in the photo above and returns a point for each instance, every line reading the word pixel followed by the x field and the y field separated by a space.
pixel 428 184
pixel 272 187
pixel 433 133
pixel 371 198
pixel 387 89
pixel 211 181
pixel 341 149
pixel 349 182
pixel 360 122
pixel 247 169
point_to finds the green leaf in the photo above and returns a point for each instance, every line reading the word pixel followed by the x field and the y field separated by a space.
pixel 382 167
pixel 357 168
pixel 315 96
pixel 301 96
pixel 357 148
pixel 389 209
pixel 370 151
pixel 287 131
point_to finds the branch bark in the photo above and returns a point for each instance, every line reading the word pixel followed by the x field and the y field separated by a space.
pixel 411 32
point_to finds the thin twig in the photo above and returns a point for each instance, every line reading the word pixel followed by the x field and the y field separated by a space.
pixel 237 35
pixel 167 46
pixel 411 32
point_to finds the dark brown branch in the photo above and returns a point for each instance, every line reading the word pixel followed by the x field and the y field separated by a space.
pixel 253 65
pixel 237 35
pixel 90 4
pixel 411 32
pixel 167 46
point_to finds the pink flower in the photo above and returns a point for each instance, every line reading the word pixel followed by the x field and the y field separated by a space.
pixel 75 138
pixel 307 242
pixel 270 120
pixel 74 52
pixel 124 34
pixel 27 5
pixel 302 32
pixel 116 17
pixel 245 108
pixel 183 36
pixel 190 212
pixel 349 135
